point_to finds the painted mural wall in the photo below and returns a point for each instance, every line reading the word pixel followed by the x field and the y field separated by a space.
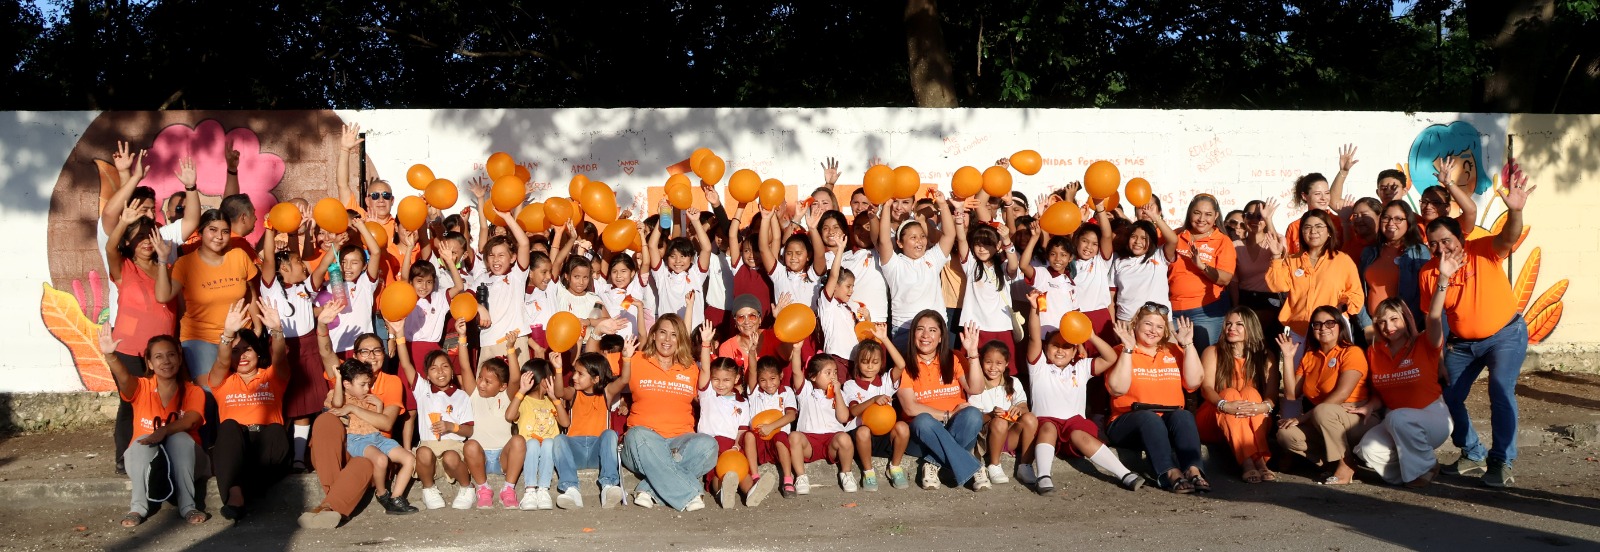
pixel 55 171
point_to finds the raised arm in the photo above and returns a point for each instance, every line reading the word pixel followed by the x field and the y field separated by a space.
pixel 1119 373
pixel 832 288
pixel 231 185
pixel 1035 343
pixel 191 198
pixel 1347 159
pixel 1516 197
pixel 1169 238
pixel 969 345
pixel 947 224
pixel 349 140
pixel 113 253
pixel 130 169
pixel 223 366
pixel 267 317
pixel 769 253
pixel 885 237
pixel 1102 218
pixel 374 254
pixel 620 383
pixel 1025 264
pixel 701 239
pixel 127 384
pixel 402 352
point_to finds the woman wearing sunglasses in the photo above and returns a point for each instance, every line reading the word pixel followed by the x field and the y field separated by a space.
pixel 1153 369
pixel 1252 258
pixel 1331 378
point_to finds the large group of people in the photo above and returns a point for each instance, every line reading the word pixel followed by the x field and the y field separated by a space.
pixel 1351 339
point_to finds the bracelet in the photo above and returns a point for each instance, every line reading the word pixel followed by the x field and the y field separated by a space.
pixel 234 172
pixel 518 396
pixel 225 339
pixel 190 188
pixel 1221 402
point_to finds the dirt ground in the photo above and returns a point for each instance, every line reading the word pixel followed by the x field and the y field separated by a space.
pixel 1556 504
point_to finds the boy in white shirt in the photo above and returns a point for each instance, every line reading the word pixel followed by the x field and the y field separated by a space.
pixel 677 270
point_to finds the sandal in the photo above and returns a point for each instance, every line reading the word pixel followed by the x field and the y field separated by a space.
pixel 1180 485
pixel 196 517
pixel 132 519
pixel 1198 481
pixel 1333 481
pixel 1252 476
pixel 1269 476
pixel 787 490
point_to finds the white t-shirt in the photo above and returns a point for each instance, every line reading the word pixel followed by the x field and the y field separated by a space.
pixel 1139 280
pixel 781 401
pixel 838 324
pixel 624 301
pixel 505 303
pixel 1093 279
pixel 988 299
pixel 1060 393
pixel 356 318
pixel 722 416
pixel 855 393
pixel 719 282
pixel 426 322
pixel 995 397
pixel 671 288
pixel 455 407
pixel 1060 296
pixel 294 307
pixel 803 287
pixel 870 287
pixel 581 305
pixel 538 305
pixel 816 412
pixel 914 285
pixel 490 427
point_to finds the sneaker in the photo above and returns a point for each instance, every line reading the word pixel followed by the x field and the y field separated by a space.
pixel 395 505
pixel 761 489
pixel 847 481
pixel 1466 467
pixel 610 496
pixel 869 481
pixel 432 498
pixel 404 505
pixel 508 496
pixel 485 497
pixel 1132 481
pixel 997 475
pixel 570 499
pixel 530 499
pixel 787 490
pixel 543 499
pixel 696 504
pixel 465 498
pixel 802 484
pixel 1045 485
pixel 930 476
pixel 897 478
pixel 728 494
pixel 320 518
pixel 644 500
pixel 1499 475
pixel 1025 474
pixel 980 480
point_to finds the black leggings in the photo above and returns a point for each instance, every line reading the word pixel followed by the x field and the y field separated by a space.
pixel 249 459
pixel 122 432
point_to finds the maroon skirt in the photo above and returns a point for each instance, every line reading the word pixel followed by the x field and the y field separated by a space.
pixel 308 382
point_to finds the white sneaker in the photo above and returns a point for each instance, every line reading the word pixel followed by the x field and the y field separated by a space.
pixel 930 476
pixel 847 481
pixel 432 498
pixel 543 500
pixel 696 504
pixel 1025 474
pixel 762 488
pixel 530 499
pixel 980 480
pixel 998 475
pixel 466 498
pixel 802 484
pixel 610 496
pixel 570 499
pixel 729 493
pixel 644 500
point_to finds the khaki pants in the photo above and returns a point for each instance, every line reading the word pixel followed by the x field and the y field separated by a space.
pixel 1327 434
pixel 498 348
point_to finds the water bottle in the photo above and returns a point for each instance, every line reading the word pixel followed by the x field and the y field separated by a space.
pixel 666 218
pixel 336 285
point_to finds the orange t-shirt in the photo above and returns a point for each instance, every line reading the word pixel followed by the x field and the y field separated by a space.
pixel 1291 235
pixel 1479 301
pixel 1319 372
pixel 1407 380
pixel 930 388
pixel 590 417
pixel 1157 379
pixel 387 387
pixel 1383 277
pixel 1331 281
pixel 234 241
pixel 258 402
pixel 1188 288
pixel 208 292
pixel 663 398
pixel 147 406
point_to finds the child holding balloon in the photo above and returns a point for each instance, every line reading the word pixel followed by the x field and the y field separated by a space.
pixel 788 264
pixel 1091 270
pixel 1059 290
pixel 872 387
pixel 678 269
pixel 725 414
pixel 768 397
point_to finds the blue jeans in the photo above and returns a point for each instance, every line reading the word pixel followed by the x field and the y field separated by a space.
pixel 576 453
pixel 199 355
pixel 671 470
pixel 948 444
pixel 1207 320
pixel 539 463
pixel 1171 441
pixel 1502 353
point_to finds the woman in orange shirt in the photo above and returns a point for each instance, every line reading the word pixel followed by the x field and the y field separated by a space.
pixel 252 448
pixel 1154 368
pixel 933 394
pixel 167 412
pixel 1313 192
pixel 1332 376
pixel 211 279
pixel 1390 266
pixel 1201 270
pixel 1406 378
pixel 661 445
pixel 1240 387
pixel 1319 275
pixel 134 262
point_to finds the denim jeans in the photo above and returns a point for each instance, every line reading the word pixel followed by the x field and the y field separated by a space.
pixel 199 355
pixel 1502 353
pixel 1171 441
pixel 1207 320
pixel 948 444
pixel 576 453
pixel 671 470
pixel 539 463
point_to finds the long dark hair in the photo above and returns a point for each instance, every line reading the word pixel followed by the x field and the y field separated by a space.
pixel 1151 237
pixel 1412 236
pixel 142 228
pixel 997 346
pixel 1256 357
pixel 947 368
pixel 986 236
pixel 1334 242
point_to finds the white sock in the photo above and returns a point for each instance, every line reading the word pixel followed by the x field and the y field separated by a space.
pixel 301 434
pixel 1109 462
pixel 1043 455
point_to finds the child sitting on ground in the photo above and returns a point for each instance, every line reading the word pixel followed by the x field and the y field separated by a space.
pixel 872 385
pixel 1002 400
pixel 539 417
pixel 362 414
pixel 492 448
pixel 771 394
pixel 589 441
pixel 823 430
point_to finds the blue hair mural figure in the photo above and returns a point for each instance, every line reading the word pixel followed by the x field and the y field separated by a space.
pixel 1458 139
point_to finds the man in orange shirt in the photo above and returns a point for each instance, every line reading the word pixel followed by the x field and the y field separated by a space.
pixel 1466 277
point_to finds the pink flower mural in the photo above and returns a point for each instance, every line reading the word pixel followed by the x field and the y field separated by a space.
pixel 259 172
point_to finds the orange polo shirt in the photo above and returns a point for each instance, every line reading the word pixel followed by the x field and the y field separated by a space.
pixel 147 406
pixel 662 397
pixel 1157 379
pixel 258 402
pixel 1407 379
pixel 1291 235
pixel 1333 281
pixel 1319 372
pixel 1188 288
pixel 1479 301
pixel 930 388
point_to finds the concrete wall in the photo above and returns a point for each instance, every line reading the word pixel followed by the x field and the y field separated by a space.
pixel 51 183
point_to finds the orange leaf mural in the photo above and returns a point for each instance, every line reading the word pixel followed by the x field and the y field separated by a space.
pixel 1550 297
pixel 1522 287
pixel 1545 322
pixel 65 320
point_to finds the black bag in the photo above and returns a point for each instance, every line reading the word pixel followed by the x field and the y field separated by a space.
pixel 1157 408
pixel 159 481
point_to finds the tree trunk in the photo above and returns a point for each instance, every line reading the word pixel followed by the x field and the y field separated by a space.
pixel 932 77
pixel 1514 33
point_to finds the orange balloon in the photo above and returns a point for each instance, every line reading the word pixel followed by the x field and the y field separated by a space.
pixel 680 196
pixel 507 193
pixel 557 211
pixel 397 301
pixel 522 173
pixel 966 182
pixel 563 331
pixel 710 169
pixel 464 306
pixel 906 182
pixel 865 329
pixel 878 184
pixel 1061 219
pixel 378 235
pixel 419 176
pixel 1075 328
pixel 285 217
pixel 638 243
pixel 500 164
pixel 532 218
pixel 879 419
pixel 1138 192
pixel 599 202
pixel 1027 162
pixel 697 156
pixel 493 219
pixel 1101 179
pixel 795 323
pixel 744 185
pixel 772 193
pixel 575 188
pixel 1094 203
pixel 330 215
pixel 733 461
pixel 619 235
pixel 411 213
pixel 997 181
pixel 441 194
pixel 762 418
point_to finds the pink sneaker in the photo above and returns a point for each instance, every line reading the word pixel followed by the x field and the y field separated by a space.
pixel 508 496
pixel 485 497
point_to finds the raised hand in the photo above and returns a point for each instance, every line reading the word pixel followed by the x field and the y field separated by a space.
pixel 1347 157
pixel 713 199
pixel 1124 331
pixel 630 344
pixel 232 156
pixel 1183 330
pixel 1517 190
pixel 477 188
pixel 1071 190
pixel 708 333
pixel 122 159
pixel 131 215
pixel 162 248
pixel 350 137
pixel 1269 208
pixel 107 345
pixel 1273 243
pixel 138 169
pixel 527 383
pixel 235 317
pixel 969 338
pixel 1286 344
pixel 555 361
pixel 269 315
pixel 330 310
pixel 185 173
pixel 1451 262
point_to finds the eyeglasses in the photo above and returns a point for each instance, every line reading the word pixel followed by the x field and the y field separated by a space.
pixel 1387 220
pixel 1325 325
pixel 746 317
pixel 372 351
pixel 1439 202
pixel 1157 307
pixel 380 195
